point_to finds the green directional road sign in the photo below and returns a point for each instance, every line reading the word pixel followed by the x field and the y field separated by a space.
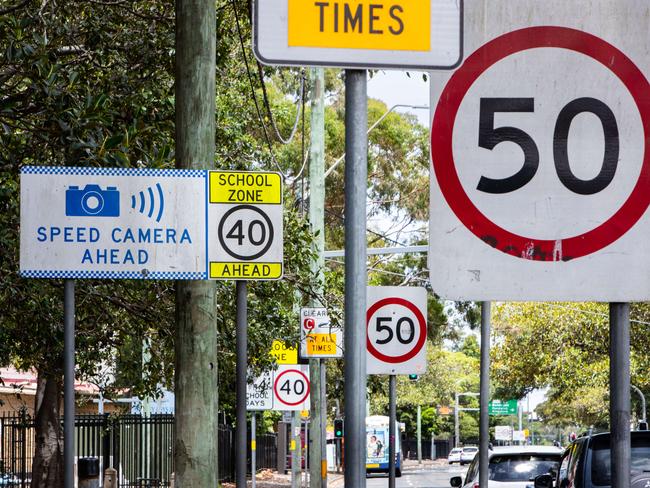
pixel 500 407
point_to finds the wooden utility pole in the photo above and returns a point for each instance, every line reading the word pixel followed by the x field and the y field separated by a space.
pixel 195 449
pixel 317 367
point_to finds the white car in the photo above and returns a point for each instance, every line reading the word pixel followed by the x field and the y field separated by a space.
pixel 512 467
pixel 454 455
pixel 467 456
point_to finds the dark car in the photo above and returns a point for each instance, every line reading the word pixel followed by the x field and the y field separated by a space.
pixel 586 463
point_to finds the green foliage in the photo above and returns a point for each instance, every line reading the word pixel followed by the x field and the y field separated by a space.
pixel 470 347
pixel 565 347
pixel 447 373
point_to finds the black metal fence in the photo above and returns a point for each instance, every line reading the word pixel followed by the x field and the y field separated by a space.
pixel 266 452
pixel 140 448
pixel 410 449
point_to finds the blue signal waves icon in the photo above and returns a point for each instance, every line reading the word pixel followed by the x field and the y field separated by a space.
pixel 148 202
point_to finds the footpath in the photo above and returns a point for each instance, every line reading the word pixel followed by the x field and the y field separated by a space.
pixel 271 479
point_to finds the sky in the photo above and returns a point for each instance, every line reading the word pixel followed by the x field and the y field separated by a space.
pixel 396 87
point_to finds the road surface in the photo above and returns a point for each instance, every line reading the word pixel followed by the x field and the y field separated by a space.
pixel 425 476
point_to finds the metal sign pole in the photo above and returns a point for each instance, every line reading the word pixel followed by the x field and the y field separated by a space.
pixel 253 450
pixel 392 419
pixel 295 450
pixel 456 422
pixel 484 423
pixel 306 452
pixel 356 182
pixel 323 423
pixel 68 387
pixel 242 353
pixel 619 384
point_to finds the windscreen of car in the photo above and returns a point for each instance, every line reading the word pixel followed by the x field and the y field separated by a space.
pixel 455 451
pixel 470 449
pixel 521 467
pixel 601 461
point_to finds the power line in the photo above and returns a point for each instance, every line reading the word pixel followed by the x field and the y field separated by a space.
pixel 300 105
pixel 257 107
pixel 383 236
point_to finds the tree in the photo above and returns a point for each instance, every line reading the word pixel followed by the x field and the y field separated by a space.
pixel 447 373
pixel 90 83
pixel 565 347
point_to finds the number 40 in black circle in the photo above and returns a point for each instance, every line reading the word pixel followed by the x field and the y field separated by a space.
pixel 298 386
pixel 490 136
pixel 237 232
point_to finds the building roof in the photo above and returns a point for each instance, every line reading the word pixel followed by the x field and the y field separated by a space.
pixel 12 380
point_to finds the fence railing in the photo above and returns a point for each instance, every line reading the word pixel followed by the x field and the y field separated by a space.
pixel 140 448
pixel 410 448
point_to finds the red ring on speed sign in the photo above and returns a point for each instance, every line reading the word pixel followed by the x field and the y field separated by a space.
pixel 445 117
pixel 421 321
pixel 275 386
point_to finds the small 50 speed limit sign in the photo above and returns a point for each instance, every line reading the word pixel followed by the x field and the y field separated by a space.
pixel 541 170
pixel 396 327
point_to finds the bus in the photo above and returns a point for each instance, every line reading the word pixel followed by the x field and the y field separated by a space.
pixel 377 445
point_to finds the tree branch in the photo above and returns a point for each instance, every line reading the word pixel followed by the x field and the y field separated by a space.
pixel 8 10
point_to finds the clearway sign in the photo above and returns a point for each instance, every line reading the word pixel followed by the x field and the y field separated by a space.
pixel 540 157
pixel 422 34
pixel 318 338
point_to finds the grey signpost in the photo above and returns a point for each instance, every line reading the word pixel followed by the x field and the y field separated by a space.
pixel 253 450
pixel 484 420
pixel 280 37
pixel 68 387
pixel 356 181
pixel 619 403
pixel 392 310
pixel 392 420
pixel 241 368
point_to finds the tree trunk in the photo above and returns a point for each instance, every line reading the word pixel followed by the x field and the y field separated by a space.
pixel 47 468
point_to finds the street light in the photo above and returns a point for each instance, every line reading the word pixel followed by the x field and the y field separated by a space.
pixel 643 421
pixel 457 409
pixel 377 122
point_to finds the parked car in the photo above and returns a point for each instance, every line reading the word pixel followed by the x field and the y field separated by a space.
pixel 467 455
pixel 512 467
pixel 586 463
pixel 454 455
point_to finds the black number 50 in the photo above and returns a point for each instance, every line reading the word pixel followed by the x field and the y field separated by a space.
pixel 398 328
pixel 489 137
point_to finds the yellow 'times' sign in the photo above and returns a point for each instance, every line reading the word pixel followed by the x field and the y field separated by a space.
pixel 284 354
pixel 360 24
pixel 245 187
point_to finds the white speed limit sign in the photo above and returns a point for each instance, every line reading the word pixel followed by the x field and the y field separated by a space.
pixel 396 327
pixel 539 153
pixel 245 240
pixel 291 387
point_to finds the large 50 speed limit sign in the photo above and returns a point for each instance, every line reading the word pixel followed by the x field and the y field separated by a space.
pixel 541 170
pixel 396 327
